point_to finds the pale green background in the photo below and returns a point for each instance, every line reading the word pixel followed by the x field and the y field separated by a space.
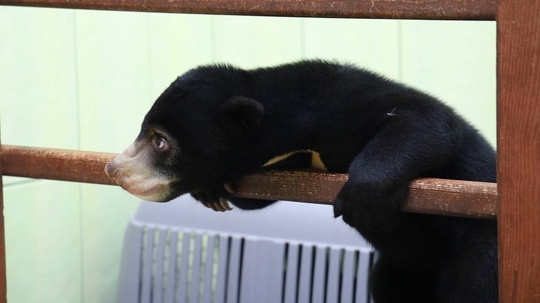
pixel 84 79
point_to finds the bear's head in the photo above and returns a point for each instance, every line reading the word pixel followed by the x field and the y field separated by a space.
pixel 196 136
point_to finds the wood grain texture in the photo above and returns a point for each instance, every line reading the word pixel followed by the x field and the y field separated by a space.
pixel 430 196
pixel 396 9
pixel 518 109
pixel 427 196
pixel 56 164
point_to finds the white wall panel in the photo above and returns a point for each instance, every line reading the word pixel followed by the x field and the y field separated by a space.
pixel 177 43
pixel 43 243
pixel 37 78
pixel 113 64
pixel 372 44
pixel 113 72
pixel 454 61
pixel 256 41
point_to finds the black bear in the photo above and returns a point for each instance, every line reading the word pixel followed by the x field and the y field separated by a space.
pixel 217 123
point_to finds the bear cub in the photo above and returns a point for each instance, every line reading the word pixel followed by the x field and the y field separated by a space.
pixel 218 123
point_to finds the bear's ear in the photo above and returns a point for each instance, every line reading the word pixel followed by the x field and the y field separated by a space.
pixel 243 113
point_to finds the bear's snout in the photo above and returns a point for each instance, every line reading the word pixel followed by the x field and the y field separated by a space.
pixel 134 173
pixel 111 171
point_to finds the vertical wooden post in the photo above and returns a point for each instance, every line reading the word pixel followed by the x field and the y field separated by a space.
pixel 518 107
pixel 3 287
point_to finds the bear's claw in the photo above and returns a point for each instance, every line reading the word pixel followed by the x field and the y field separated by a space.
pixel 229 188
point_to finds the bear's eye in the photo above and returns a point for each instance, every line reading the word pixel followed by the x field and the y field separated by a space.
pixel 160 143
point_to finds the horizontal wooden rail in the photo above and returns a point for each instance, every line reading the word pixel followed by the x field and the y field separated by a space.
pixel 56 164
pixel 382 9
pixel 430 196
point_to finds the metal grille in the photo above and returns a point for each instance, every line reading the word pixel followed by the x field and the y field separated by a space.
pixel 182 266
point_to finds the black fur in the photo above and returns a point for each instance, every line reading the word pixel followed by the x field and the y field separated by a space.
pixel 228 122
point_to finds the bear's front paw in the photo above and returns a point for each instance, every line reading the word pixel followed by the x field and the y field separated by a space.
pixel 369 208
pixel 214 199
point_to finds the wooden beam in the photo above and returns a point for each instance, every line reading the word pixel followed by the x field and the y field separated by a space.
pixel 430 196
pixel 382 9
pixel 56 164
pixel 518 111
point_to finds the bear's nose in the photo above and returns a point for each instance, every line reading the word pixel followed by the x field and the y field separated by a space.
pixel 111 171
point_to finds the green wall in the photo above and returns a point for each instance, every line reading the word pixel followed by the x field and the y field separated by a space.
pixel 84 80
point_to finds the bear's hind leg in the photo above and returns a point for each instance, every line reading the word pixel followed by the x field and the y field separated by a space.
pixel 393 283
pixel 470 277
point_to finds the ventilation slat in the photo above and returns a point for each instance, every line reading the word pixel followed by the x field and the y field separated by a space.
pixel 275 254
pixel 348 276
pixel 181 289
pixel 291 273
pixel 159 259
pixel 208 269
pixel 363 270
pixel 170 285
pixel 306 267
pixel 251 271
pixel 234 267
pixel 221 278
pixel 146 285
pixel 319 273
pixel 333 275
pixel 262 259
pixel 195 278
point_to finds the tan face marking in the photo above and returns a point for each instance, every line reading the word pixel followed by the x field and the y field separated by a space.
pixel 133 171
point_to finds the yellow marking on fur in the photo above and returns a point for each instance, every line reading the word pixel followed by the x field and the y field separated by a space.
pixel 316 161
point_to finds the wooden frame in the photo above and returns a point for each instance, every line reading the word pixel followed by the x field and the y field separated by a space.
pixel 382 9
pixel 431 196
pixel 518 121
pixel 518 48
